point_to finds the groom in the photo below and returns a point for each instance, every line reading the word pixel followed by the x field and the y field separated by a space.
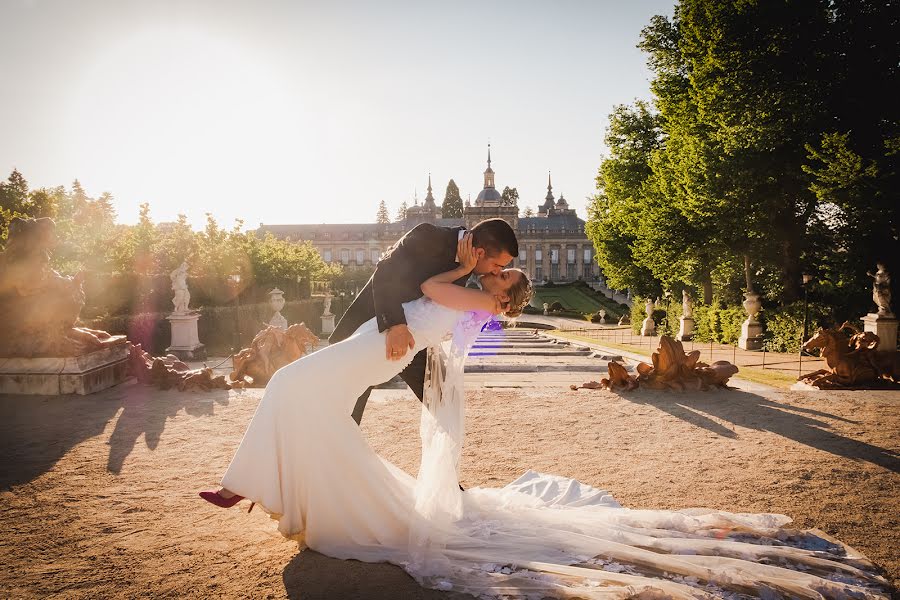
pixel 424 251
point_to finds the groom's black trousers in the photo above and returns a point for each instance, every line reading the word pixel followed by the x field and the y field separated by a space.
pixel 413 375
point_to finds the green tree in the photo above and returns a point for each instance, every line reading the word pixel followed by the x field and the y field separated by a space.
pixel 401 212
pixel 452 208
pixel 509 197
pixel 135 250
pixel 382 217
pixel 13 202
pixel 616 211
pixel 175 243
pixel 45 202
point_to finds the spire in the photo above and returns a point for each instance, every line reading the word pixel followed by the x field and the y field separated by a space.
pixel 416 195
pixel 548 199
pixel 489 172
pixel 429 199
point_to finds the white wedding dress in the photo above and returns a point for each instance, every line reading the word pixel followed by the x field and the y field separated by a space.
pixel 305 461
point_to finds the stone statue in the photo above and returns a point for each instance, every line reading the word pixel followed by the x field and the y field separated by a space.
pixel 881 290
pixel 179 286
pixel 326 304
pixel 672 369
pixel 39 306
pixel 166 372
pixel 687 305
pixel 648 327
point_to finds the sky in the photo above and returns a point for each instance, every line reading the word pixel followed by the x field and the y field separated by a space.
pixel 313 112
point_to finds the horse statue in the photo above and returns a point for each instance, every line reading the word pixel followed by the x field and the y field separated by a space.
pixel 271 349
pixel 852 359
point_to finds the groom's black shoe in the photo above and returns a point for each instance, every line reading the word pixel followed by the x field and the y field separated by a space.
pixel 461 488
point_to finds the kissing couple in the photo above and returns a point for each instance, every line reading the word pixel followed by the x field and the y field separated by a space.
pixel 304 459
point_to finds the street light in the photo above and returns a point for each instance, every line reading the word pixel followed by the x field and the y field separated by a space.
pixel 235 280
pixel 807 278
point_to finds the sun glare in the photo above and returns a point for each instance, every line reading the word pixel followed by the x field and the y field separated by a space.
pixel 180 116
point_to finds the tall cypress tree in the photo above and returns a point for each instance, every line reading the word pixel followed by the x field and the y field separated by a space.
pixel 382 217
pixel 453 204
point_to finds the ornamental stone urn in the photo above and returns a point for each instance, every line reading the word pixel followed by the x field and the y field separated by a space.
pixel 276 301
pixel 546 308
pixel 602 314
pixel 751 329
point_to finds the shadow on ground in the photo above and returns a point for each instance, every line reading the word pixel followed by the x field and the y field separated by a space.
pixel 310 576
pixel 145 410
pixel 36 431
pixel 752 411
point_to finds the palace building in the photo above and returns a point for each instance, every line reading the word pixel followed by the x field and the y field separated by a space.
pixel 552 245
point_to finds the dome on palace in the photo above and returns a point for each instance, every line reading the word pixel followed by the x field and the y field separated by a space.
pixel 488 196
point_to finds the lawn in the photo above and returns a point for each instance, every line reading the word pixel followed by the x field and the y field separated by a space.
pixel 577 299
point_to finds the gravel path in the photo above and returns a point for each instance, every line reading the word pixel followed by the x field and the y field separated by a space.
pixel 99 493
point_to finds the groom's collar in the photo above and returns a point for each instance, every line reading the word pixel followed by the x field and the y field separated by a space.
pixel 459 238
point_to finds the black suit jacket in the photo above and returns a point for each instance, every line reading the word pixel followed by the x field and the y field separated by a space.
pixel 424 251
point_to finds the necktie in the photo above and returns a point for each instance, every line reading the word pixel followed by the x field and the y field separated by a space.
pixel 473 282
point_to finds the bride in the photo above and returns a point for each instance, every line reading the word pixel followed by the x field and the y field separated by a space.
pixel 307 463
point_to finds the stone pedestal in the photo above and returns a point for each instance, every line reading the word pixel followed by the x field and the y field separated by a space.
pixel 751 335
pixel 648 327
pixel 885 327
pixel 185 340
pixel 327 324
pixel 84 374
pixel 686 329
pixel 279 321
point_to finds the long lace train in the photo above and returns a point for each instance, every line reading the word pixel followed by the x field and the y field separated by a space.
pixel 304 460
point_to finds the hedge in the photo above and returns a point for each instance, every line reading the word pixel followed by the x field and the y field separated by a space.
pixel 216 327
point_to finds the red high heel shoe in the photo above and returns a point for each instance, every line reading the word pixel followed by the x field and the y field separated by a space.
pixel 217 499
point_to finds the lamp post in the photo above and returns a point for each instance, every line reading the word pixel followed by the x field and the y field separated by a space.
pixel 806 279
pixel 343 294
pixel 235 280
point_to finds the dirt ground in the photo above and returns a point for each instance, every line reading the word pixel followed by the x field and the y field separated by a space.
pixel 99 494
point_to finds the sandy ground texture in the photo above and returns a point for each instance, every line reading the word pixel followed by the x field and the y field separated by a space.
pixel 99 494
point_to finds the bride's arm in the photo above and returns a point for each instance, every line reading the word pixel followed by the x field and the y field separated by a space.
pixel 442 290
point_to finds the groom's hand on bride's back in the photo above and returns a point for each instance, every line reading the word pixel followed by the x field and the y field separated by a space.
pixel 397 341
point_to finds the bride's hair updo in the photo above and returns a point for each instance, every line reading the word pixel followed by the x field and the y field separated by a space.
pixel 519 296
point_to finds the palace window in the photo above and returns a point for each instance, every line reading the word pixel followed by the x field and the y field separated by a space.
pixel 360 257
pixel 345 256
pixel 587 255
pixel 570 256
pixel 326 255
pixel 538 255
pixel 522 255
pixel 376 255
pixel 554 256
